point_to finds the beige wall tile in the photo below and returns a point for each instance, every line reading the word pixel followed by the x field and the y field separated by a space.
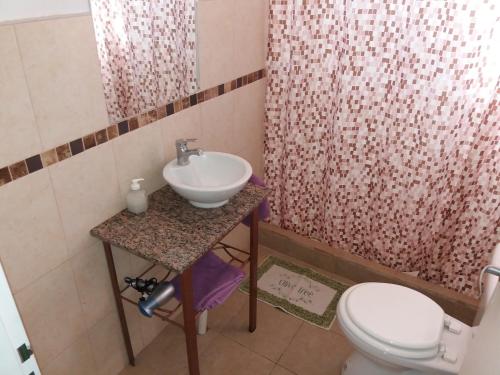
pixel 216 42
pixel 134 322
pixel 77 359
pixel 63 75
pixel 232 39
pixel 239 237
pixel 250 32
pixel 69 312
pixel 217 122
pixel 185 124
pixel 32 237
pixel 255 156
pixel 151 328
pixel 51 312
pixel 87 192
pixel 17 123
pixel 249 114
pixel 140 154
pixel 122 261
pixel 138 265
pixel 249 124
pixel 107 345
pixel 93 283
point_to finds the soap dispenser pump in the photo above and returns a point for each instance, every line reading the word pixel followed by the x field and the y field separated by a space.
pixel 137 199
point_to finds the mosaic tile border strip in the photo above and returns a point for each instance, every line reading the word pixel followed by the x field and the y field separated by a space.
pixel 62 152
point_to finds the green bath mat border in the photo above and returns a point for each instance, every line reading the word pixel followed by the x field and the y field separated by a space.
pixel 323 321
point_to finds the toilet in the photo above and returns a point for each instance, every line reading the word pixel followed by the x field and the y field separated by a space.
pixel 396 330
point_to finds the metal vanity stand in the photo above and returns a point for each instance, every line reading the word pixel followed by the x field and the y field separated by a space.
pixel 174 234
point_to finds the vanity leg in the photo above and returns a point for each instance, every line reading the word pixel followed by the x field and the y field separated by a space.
pixel 254 254
pixel 189 321
pixel 118 301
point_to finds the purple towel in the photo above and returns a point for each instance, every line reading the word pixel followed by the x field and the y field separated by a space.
pixel 263 207
pixel 213 281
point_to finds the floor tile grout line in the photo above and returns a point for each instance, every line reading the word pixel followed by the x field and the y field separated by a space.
pixel 291 340
pixel 249 349
pixel 253 351
pixel 284 367
pixel 276 362
pixel 219 332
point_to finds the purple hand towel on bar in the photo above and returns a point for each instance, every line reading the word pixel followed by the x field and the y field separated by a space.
pixel 263 207
pixel 213 281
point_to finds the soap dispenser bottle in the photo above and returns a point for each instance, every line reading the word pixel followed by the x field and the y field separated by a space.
pixel 137 199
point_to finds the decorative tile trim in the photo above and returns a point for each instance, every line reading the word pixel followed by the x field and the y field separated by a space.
pixel 62 152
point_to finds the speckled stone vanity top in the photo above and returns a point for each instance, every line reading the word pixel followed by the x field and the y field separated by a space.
pixel 174 233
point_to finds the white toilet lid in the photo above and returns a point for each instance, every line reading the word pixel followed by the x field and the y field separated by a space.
pixel 396 315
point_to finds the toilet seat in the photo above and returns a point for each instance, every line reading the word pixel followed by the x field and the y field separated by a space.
pixel 393 319
pixel 381 352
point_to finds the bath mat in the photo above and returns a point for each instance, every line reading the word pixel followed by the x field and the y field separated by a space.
pixel 297 290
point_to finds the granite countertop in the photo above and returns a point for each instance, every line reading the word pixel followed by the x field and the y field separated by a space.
pixel 174 233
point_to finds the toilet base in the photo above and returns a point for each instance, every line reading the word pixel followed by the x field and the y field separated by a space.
pixel 358 364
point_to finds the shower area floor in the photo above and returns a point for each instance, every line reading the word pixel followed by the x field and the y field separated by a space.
pixel 281 345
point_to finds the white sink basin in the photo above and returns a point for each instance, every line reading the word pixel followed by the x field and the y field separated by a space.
pixel 208 180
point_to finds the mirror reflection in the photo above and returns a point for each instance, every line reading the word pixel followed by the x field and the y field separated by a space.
pixel 147 53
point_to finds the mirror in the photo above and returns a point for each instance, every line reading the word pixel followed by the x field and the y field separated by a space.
pixel 147 52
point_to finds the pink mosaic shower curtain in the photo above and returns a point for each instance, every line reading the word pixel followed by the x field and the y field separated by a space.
pixel 383 131
pixel 147 51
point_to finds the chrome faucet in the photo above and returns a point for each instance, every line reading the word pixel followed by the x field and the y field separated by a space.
pixel 183 153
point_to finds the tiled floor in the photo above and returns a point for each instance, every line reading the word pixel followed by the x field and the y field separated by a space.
pixel 281 345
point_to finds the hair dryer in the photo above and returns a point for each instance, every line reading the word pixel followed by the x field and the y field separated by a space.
pixel 161 294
